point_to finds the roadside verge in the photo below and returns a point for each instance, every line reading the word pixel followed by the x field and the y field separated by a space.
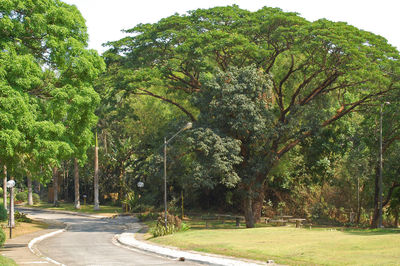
pixel 129 240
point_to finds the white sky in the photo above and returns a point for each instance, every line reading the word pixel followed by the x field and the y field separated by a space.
pixel 106 18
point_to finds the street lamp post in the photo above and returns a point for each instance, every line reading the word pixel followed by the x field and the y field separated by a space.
pixel 380 205
pixel 10 185
pixel 188 126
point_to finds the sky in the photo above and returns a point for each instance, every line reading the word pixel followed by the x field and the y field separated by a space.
pixel 106 18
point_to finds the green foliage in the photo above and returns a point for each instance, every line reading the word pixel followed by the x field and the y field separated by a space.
pixel 149 216
pixel 160 230
pixel 3 213
pixel 21 217
pixel 22 196
pixel 258 85
pixel 184 227
pixel 36 198
pixel 47 100
pixel 2 237
pixel 174 224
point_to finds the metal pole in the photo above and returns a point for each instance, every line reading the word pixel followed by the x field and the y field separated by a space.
pixel 380 171
pixel 11 213
pixel 165 182
pixel 358 199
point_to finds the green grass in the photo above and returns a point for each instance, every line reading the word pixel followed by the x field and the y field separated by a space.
pixel 88 208
pixel 288 245
pixel 6 261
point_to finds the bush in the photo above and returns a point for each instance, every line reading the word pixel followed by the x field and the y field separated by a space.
pixel 22 196
pixel 174 224
pixel 160 230
pixel 2 237
pixel 36 198
pixel 21 217
pixel 3 213
pixel 1 191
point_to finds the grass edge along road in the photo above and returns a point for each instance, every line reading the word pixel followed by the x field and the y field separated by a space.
pixel 7 261
pixel 85 208
pixel 294 246
pixel 21 228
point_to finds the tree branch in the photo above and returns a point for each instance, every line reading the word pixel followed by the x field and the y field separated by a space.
pixel 394 185
pixel 149 93
pixel 342 111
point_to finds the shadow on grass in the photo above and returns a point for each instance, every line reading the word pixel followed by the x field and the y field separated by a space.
pixel 84 208
pixel 201 225
pixel 372 232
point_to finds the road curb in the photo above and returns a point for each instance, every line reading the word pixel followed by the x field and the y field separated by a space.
pixel 129 240
pixel 40 238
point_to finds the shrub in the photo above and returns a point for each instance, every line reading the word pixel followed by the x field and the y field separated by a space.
pixel 3 213
pixel 184 227
pixel 2 237
pixel 21 217
pixel 160 230
pixel 1 191
pixel 22 196
pixel 36 198
pixel 174 224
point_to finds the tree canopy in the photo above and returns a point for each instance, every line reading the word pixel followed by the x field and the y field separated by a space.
pixel 318 72
pixel 46 82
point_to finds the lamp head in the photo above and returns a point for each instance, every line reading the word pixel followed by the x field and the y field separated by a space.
pixel 10 183
pixel 188 125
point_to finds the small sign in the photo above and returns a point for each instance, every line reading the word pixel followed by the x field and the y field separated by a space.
pixel 140 184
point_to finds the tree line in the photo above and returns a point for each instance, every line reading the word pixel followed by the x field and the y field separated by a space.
pixel 285 111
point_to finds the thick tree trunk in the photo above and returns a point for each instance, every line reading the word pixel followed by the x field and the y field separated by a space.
pixel 5 187
pixel 396 219
pixel 254 199
pixel 96 177
pixel 248 210
pixel 55 186
pixel 258 201
pixel 30 196
pixel 77 201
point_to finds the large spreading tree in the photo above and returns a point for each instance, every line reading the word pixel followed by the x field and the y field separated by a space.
pixel 318 73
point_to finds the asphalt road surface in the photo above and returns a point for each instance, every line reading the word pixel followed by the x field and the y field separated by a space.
pixel 89 241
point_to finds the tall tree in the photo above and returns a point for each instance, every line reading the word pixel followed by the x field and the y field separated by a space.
pixel 320 72
pixel 46 77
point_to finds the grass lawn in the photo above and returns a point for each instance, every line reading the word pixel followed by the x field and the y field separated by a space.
pixel 293 246
pixel 20 229
pixel 6 261
pixel 23 228
pixel 104 210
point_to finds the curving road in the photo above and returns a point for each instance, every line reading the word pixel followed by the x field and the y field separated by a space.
pixel 89 241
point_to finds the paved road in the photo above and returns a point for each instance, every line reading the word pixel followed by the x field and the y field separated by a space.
pixel 89 241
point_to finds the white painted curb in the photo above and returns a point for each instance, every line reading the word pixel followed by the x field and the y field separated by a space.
pixel 40 238
pixel 130 240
